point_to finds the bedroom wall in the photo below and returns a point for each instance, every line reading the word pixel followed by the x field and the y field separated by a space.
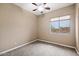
pixel 61 38
pixel 17 26
pixel 77 27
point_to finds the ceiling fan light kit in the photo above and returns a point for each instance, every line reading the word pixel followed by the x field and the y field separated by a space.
pixel 40 8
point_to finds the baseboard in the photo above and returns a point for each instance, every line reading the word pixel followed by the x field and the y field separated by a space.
pixel 38 40
pixel 16 47
pixel 77 51
pixel 56 43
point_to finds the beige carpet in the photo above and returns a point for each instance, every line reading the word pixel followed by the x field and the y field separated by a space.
pixel 42 49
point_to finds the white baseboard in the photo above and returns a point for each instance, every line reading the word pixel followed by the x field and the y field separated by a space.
pixel 60 45
pixel 56 43
pixel 16 47
pixel 77 51
pixel 38 40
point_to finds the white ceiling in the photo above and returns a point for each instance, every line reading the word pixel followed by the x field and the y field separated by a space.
pixel 53 6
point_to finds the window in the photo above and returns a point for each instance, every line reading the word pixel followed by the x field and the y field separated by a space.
pixel 60 24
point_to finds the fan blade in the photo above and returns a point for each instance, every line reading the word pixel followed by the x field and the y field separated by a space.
pixel 47 8
pixel 34 4
pixel 44 3
pixel 34 9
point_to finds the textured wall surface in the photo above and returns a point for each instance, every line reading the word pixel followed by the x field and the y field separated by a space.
pixel 62 38
pixel 17 26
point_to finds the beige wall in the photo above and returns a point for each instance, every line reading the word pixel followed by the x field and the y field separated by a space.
pixel 62 38
pixel 77 27
pixel 16 26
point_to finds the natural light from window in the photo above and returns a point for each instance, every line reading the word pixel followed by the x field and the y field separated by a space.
pixel 60 24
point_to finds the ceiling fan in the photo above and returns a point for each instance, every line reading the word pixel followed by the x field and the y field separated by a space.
pixel 41 7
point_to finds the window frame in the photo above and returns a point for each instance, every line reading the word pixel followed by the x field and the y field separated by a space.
pixel 60 23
